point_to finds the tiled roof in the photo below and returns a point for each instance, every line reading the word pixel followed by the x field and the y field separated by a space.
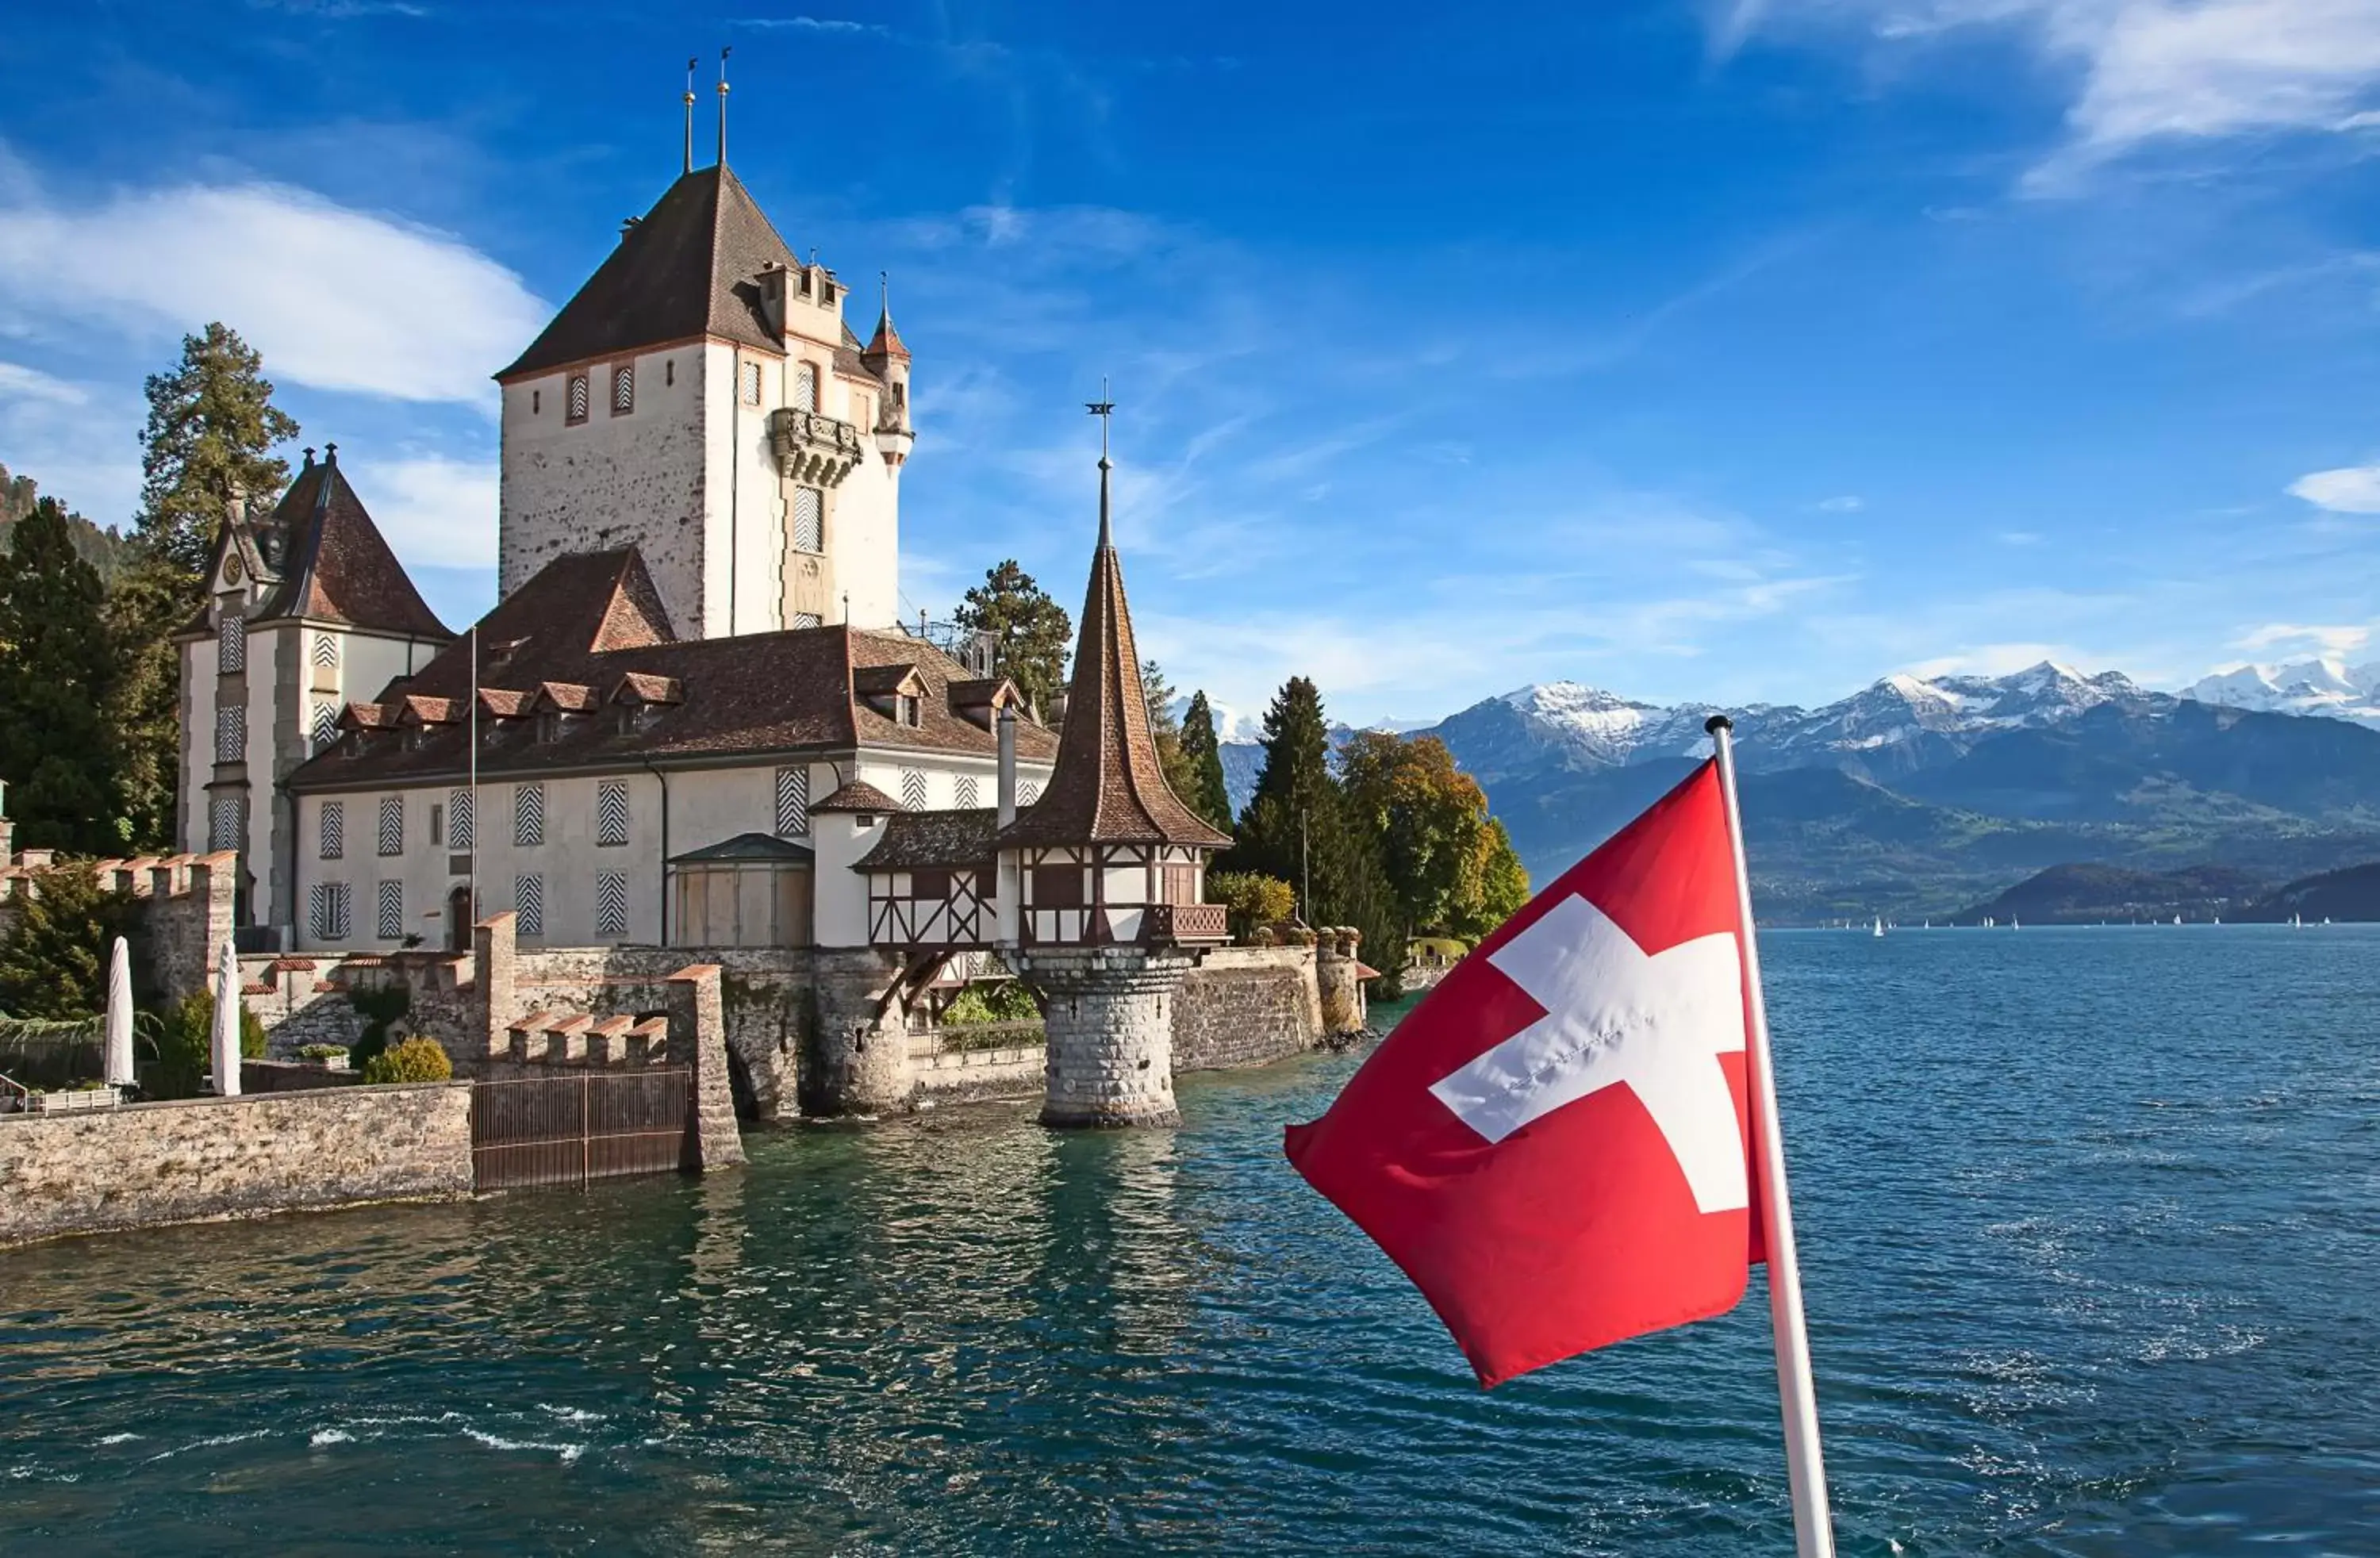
pixel 689 267
pixel 710 698
pixel 915 839
pixel 334 565
pixel 886 342
pixel 857 795
pixel 1109 786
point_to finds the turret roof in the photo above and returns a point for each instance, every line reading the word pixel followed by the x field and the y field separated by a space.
pixel 335 566
pixel 886 342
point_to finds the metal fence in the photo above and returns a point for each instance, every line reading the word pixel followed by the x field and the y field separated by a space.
pixel 578 1125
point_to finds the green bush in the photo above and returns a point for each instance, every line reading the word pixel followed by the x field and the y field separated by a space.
pixel 415 1060
pixel 1253 899
pixel 53 959
pixel 323 1052
pixel 999 1000
pixel 379 1009
pixel 186 1037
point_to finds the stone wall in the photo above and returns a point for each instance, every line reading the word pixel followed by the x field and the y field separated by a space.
pixel 1246 1006
pixel 185 910
pixel 189 1162
pixel 975 1076
pixel 1110 1026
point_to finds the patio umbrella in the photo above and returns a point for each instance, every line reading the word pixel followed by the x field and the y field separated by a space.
pixel 120 1016
pixel 227 1048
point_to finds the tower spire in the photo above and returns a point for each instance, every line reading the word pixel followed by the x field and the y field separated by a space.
pixel 722 103
pixel 1104 409
pixel 690 63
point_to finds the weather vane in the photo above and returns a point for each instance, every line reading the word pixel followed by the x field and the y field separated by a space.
pixel 1103 408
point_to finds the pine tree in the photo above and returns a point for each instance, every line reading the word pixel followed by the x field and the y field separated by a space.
pixel 1207 795
pixel 58 753
pixel 1029 631
pixel 1158 694
pixel 211 427
pixel 53 959
pixel 1296 801
pixel 144 608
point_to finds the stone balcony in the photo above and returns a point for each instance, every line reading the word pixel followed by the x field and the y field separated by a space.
pixel 1178 923
pixel 814 450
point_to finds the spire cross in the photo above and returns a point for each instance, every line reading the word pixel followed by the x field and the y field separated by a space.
pixel 1104 409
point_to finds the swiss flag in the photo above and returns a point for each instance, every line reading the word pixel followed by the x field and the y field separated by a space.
pixel 1555 1144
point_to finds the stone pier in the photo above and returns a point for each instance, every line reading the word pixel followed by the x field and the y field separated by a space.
pixel 860 1064
pixel 1110 1032
pixel 1337 977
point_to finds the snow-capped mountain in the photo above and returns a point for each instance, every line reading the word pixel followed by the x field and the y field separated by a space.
pixel 2310 687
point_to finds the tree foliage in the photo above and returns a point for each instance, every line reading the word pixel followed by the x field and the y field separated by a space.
pixel 1204 752
pixel 1029 631
pixel 1158 694
pixel 54 956
pixel 417 1059
pixel 1447 861
pixel 104 550
pixel 1253 899
pixel 60 753
pixel 212 428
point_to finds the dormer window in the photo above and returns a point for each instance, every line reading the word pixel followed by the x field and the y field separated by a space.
pixel 549 726
pixel 576 403
pixel 907 709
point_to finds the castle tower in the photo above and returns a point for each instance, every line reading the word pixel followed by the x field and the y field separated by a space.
pixel 306 609
pixel 1111 867
pixel 701 399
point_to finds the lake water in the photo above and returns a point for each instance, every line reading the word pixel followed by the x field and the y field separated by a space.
pixel 2088 1222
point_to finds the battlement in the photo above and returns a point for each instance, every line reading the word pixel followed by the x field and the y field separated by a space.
pixel 186 904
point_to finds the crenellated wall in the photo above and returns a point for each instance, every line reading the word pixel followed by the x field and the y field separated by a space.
pixel 186 909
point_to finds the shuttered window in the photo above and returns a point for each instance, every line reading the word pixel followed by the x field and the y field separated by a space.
pixel 528 904
pixel 806 387
pixel 577 405
pixel 231 733
pixel 809 520
pixel 223 822
pixel 793 802
pixel 747 382
pixel 968 791
pixel 231 644
pixel 326 725
pixel 333 830
pixel 458 819
pixel 392 824
pixel 331 907
pixel 392 911
pixel 913 789
pixel 623 388
pixel 326 650
pixel 612 811
pixel 611 902
pixel 529 816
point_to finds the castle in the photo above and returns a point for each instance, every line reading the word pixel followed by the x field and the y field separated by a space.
pixel 693 719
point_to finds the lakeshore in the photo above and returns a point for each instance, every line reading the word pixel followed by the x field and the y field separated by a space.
pixel 2088 1301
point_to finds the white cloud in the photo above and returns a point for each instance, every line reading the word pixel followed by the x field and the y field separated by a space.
pixel 434 511
pixel 811 24
pixel 2150 70
pixel 1993 660
pixel 2321 639
pixel 2353 488
pixel 334 298
pixel 1849 502
pixel 19 383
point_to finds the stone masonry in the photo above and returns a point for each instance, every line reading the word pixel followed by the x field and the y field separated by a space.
pixel 1338 980
pixel 1110 1022
pixel 859 1063
pixel 1246 1006
pixel 697 1041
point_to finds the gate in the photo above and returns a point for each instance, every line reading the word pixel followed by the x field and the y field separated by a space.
pixel 577 1126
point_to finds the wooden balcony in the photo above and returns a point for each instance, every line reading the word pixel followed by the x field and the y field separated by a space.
pixel 814 450
pixel 1185 923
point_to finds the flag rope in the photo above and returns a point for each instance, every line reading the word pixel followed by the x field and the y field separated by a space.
pixel 1805 1470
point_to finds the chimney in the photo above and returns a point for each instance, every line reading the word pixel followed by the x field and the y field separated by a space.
pixel 1007 764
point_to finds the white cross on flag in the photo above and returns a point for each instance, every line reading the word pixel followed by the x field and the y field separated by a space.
pixel 1554 1145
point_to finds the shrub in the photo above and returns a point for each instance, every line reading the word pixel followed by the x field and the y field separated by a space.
pixel 415 1060
pixel 1001 1001
pixel 379 1009
pixel 184 1037
pixel 323 1052
pixel 1251 898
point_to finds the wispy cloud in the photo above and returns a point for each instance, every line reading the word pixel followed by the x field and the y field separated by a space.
pixel 2353 488
pixel 2327 641
pixel 813 24
pixel 19 383
pixel 335 298
pixel 436 511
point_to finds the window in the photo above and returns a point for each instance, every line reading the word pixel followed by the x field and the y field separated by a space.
pixel 333 830
pixel 326 651
pixel 623 388
pixel 669 370
pixel 1030 793
pixel 326 723
pixel 747 382
pixel 331 906
pixel 528 815
pixel 392 911
pixel 968 792
pixel 805 619
pixel 935 883
pixel 231 733
pixel 223 822
pixel 794 802
pixel 536 402
pixel 231 644
pixel 806 387
pixel 458 819
pixel 577 411
pixel 913 789
pixel 1056 887
pixel 612 811
pixel 611 902
pixel 528 904
pixel 392 824
pixel 905 709
pixel 810 523
pixel 437 825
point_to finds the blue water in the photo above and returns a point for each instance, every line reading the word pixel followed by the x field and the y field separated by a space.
pixel 2089 1241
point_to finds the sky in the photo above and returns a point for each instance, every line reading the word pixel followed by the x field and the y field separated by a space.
pixel 1741 351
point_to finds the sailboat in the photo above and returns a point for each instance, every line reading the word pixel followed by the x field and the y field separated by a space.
pixel 2177 919
pixel 1879 926
pixel 2015 924
pixel 2296 922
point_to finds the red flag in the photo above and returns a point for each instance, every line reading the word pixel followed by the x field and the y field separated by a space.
pixel 1554 1144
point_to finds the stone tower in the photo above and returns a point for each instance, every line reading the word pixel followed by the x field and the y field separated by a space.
pixel 1110 868
pixel 701 398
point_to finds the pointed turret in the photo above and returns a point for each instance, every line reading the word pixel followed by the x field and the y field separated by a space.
pixel 885 356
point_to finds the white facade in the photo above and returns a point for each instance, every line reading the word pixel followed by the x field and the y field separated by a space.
pixel 738 537
pixel 572 853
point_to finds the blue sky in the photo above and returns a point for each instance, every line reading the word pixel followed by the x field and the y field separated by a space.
pixel 1734 352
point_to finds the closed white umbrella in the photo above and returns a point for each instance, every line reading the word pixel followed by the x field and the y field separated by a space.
pixel 227 1023
pixel 120 1016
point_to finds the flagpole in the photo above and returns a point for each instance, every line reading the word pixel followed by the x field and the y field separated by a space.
pixel 1805 1471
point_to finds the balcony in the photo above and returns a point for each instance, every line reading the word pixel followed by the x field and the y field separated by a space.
pixel 1185 923
pixel 813 450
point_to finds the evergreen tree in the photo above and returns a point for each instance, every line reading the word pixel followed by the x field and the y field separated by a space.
pixel 1029 631
pixel 1158 694
pixel 1296 801
pixel 53 959
pixel 58 677
pixel 1207 795
pixel 211 427
pixel 144 608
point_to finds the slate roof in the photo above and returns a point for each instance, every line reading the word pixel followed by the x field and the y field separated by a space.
pixel 326 561
pixel 592 621
pixel 1109 786
pixel 929 839
pixel 748 846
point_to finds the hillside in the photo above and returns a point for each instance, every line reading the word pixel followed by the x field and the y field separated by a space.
pixel 104 550
pixel 2094 891
pixel 2351 893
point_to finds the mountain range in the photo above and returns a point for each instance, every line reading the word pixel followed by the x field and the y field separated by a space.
pixel 1926 796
